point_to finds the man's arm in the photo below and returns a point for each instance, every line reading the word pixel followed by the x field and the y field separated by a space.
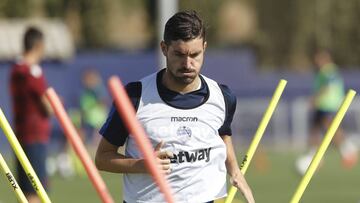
pixel 47 107
pixel 38 85
pixel 236 177
pixel 108 159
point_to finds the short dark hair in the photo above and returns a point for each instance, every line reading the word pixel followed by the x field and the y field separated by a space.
pixel 32 36
pixel 184 25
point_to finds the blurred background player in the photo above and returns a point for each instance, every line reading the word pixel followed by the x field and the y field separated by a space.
pixel 187 116
pixel 30 109
pixel 93 105
pixel 327 97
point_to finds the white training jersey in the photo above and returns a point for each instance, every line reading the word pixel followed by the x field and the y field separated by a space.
pixel 198 167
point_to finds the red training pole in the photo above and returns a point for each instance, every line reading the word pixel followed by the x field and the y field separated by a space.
pixel 127 113
pixel 77 144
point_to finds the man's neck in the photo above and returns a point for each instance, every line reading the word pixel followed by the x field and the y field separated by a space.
pixel 169 82
pixel 30 59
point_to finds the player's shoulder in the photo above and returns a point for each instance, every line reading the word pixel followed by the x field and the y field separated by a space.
pixel 150 82
pixel 228 94
pixel 19 71
pixel 151 76
pixel 134 89
pixel 225 88
pixel 208 80
pixel 36 71
pixel 19 67
pixel 22 68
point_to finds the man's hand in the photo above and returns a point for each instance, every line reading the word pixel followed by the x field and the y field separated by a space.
pixel 239 182
pixel 236 177
pixel 163 158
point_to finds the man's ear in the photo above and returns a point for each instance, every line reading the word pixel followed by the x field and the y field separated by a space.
pixel 163 47
pixel 205 45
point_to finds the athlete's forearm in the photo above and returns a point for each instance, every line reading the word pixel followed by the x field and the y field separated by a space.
pixel 108 159
pixel 118 163
pixel 46 105
pixel 236 177
pixel 232 166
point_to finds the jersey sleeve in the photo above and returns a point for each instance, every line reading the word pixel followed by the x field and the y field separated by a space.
pixel 114 130
pixel 230 106
pixel 37 81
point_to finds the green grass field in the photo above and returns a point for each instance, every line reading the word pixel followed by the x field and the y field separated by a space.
pixel 276 184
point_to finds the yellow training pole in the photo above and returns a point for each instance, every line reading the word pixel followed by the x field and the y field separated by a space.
pixel 325 143
pixel 258 134
pixel 9 176
pixel 24 161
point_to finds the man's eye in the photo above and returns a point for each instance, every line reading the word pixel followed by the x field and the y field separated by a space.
pixel 194 55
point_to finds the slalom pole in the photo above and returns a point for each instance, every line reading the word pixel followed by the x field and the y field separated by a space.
pixel 127 113
pixel 78 146
pixel 324 145
pixel 258 134
pixel 12 181
pixel 24 161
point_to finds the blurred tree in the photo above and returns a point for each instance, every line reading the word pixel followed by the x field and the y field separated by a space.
pixel 128 24
pixel 101 23
pixel 276 30
pixel 290 28
pixel 283 31
pixel 93 20
pixel 207 10
pixel 314 28
pixel 346 34
pixel 16 8
pixel 303 39
pixel 56 8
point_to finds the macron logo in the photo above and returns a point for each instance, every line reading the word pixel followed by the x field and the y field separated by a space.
pixel 185 156
pixel 184 119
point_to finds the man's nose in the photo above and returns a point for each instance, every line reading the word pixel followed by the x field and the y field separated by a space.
pixel 187 62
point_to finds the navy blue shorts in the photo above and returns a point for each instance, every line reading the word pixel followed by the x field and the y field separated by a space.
pixel 36 153
pixel 319 116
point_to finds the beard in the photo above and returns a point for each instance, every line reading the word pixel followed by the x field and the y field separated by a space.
pixel 183 76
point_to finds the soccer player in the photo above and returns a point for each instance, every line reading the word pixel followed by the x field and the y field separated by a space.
pixel 31 110
pixel 187 117
pixel 328 96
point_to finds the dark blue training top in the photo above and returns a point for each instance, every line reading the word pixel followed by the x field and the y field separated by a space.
pixel 115 132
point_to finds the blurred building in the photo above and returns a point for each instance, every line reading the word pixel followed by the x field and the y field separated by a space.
pixel 59 44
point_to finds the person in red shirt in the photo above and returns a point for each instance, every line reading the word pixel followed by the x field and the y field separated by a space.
pixel 30 109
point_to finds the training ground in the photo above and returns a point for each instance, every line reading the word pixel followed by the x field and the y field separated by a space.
pixel 272 181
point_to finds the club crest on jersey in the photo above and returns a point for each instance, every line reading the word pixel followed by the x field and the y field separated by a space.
pixel 184 131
